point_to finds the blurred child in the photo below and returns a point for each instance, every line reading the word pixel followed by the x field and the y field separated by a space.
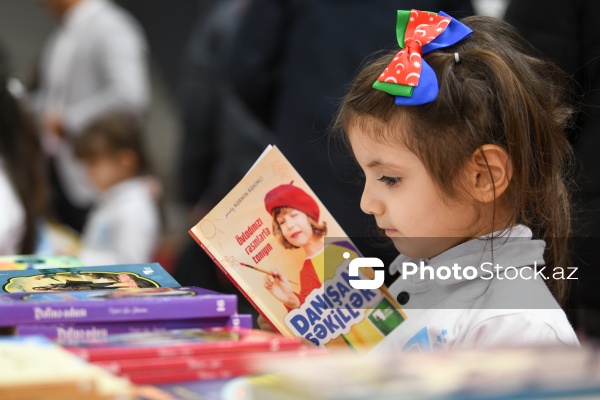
pixel 23 188
pixel 124 226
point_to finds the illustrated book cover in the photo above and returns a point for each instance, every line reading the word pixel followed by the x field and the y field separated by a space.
pixel 106 277
pixel 114 305
pixel 94 331
pixel 281 247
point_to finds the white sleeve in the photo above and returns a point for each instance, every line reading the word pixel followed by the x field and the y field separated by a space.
pixel 12 217
pixel 522 328
pixel 136 237
pixel 121 51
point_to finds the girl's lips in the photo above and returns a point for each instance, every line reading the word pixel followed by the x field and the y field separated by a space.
pixel 295 235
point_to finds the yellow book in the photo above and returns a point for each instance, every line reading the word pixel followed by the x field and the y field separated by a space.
pixel 281 247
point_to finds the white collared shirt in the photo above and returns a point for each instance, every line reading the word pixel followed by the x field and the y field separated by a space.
pixel 462 313
pixel 124 227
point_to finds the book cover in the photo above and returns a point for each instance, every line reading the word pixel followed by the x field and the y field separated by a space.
pixel 105 277
pixel 114 305
pixel 95 331
pixel 181 342
pixel 282 248
pixel 34 368
pixel 33 261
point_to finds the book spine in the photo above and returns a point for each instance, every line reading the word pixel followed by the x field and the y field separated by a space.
pixel 171 376
pixel 221 347
pixel 200 306
pixel 81 332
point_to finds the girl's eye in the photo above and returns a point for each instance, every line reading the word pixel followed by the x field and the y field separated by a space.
pixel 389 181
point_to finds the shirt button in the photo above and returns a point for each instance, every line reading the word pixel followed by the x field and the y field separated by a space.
pixel 403 298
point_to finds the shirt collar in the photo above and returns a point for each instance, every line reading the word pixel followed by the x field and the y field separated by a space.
pixel 510 247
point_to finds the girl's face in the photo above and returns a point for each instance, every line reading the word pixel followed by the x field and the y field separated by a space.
pixel 104 171
pixel 405 201
pixel 295 227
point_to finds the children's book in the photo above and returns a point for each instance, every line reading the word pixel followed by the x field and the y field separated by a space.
pixel 32 261
pixel 114 305
pixel 34 368
pixel 181 342
pixel 101 330
pixel 298 279
pixel 107 277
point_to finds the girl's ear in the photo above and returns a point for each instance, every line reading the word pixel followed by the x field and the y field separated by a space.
pixel 490 171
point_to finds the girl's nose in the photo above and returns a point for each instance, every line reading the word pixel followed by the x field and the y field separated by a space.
pixel 369 203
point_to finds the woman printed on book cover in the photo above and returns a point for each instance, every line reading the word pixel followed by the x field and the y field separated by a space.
pixel 296 225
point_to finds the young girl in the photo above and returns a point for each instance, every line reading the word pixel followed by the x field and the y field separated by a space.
pixel 124 226
pixel 461 139
pixel 296 225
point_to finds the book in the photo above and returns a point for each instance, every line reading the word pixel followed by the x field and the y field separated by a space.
pixel 114 305
pixel 181 342
pixel 113 277
pixel 35 368
pixel 247 361
pixel 33 261
pixel 532 372
pixel 94 331
pixel 298 281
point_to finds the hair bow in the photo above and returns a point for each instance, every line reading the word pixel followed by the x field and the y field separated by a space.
pixel 408 76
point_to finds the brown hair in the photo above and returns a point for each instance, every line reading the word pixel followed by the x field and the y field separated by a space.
pixel 319 230
pixel 21 152
pixel 498 93
pixel 109 134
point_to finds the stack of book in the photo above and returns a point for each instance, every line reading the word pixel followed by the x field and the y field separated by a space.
pixel 188 354
pixel 136 321
pixel 85 303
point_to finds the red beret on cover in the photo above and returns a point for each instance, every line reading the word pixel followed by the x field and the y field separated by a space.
pixel 294 197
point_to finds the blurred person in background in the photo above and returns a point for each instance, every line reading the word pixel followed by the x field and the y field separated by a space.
pixel 23 188
pixel 124 225
pixel 567 33
pixel 94 63
pixel 291 64
pixel 220 140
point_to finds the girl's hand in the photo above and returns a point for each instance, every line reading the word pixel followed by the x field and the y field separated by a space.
pixel 280 287
pixel 263 324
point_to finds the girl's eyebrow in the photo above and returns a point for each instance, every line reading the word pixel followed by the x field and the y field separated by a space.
pixel 374 163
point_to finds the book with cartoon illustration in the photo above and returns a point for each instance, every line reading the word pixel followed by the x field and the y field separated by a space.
pixel 124 305
pixel 106 277
pixel 280 246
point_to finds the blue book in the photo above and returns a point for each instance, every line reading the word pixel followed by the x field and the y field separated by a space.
pixel 106 277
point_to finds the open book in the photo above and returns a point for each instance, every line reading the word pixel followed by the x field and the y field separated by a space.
pixel 280 246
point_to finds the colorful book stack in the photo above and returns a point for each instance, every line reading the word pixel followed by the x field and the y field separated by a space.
pixel 90 303
pixel 137 322
pixel 188 354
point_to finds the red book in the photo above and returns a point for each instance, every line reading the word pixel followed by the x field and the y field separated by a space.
pixel 203 361
pixel 181 342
